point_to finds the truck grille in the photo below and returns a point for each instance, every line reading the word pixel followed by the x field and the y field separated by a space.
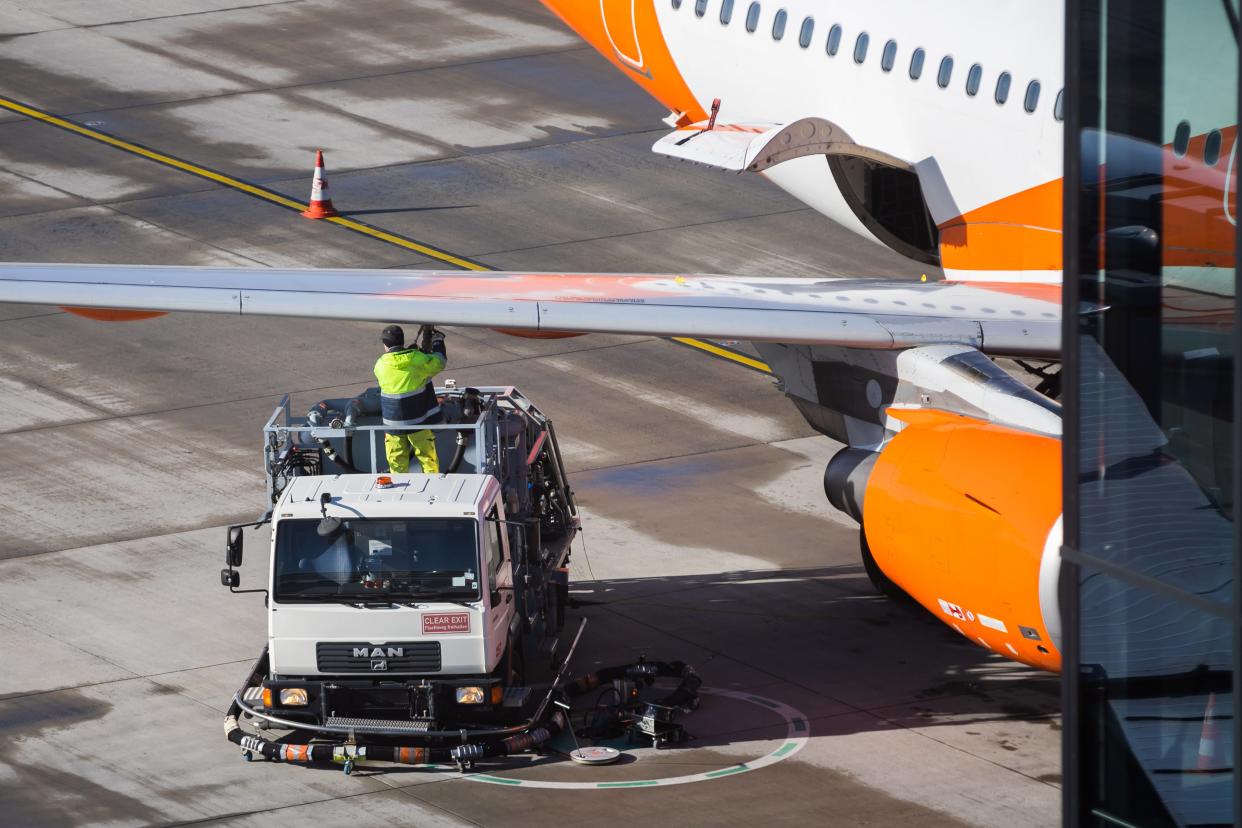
pixel 379 659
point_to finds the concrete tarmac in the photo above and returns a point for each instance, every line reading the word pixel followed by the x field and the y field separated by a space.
pixel 485 129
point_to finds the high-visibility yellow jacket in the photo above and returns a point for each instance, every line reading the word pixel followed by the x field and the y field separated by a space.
pixel 407 396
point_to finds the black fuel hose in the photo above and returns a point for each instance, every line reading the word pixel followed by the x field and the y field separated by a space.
pixel 483 747
pixel 460 453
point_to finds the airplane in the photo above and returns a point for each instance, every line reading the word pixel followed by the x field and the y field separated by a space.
pixel 937 135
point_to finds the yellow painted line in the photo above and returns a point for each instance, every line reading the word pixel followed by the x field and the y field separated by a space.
pixel 234 183
pixel 282 200
pixel 724 353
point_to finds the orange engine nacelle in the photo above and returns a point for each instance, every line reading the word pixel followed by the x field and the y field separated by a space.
pixel 964 516
pixel 113 315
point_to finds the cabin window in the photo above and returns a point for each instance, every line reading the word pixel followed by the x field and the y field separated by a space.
pixel 1058 108
pixel 804 34
pixel 752 18
pixel 973 78
pixel 889 56
pixel 916 64
pixel 726 12
pixel 1032 96
pixel 1211 148
pixel 946 72
pixel 700 8
pixel 1181 139
pixel 1002 87
pixel 834 39
pixel 677 4
pixel 860 47
pixel 778 24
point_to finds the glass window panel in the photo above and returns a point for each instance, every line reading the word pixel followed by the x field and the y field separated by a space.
pixel 752 17
pixel 860 47
pixel 834 40
pixel 778 24
pixel 677 4
pixel 973 78
pixel 889 57
pixel 806 32
pixel 1181 138
pixel 1058 108
pixel 726 12
pixel 1002 87
pixel 700 8
pixel 946 72
pixel 1031 101
pixel 1156 676
pixel 916 64
pixel 1211 148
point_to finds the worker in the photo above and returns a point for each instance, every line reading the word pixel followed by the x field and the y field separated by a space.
pixel 407 398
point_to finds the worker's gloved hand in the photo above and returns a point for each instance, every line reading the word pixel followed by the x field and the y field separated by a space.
pixel 437 338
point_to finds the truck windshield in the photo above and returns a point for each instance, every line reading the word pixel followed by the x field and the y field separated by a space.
pixel 415 560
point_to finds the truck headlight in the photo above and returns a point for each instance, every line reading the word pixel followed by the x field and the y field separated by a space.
pixel 293 697
pixel 470 695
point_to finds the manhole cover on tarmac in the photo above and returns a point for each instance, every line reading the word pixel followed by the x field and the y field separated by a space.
pixel 712 725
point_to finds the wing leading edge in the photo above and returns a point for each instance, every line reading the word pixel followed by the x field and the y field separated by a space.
pixel 860 313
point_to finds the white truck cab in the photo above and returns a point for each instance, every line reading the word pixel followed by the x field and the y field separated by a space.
pixel 409 603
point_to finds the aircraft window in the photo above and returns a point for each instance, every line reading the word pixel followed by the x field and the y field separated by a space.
pixel 973 78
pixel 677 4
pixel 1181 139
pixel 752 17
pixel 700 8
pixel 1058 108
pixel 946 72
pixel 1211 148
pixel 834 39
pixel 726 12
pixel 889 57
pixel 808 29
pixel 778 24
pixel 1032 96
pixel 1002 87
pixel 860 47
pixel 916 64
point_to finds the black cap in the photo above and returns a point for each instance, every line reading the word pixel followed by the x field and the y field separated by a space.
pixel 393 336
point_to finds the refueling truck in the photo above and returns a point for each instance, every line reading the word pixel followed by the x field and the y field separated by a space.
pixel 410 608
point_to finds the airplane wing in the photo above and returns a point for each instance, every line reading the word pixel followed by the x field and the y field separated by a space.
pixel 1002 319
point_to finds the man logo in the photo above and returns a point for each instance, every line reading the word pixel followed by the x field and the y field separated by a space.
pixel 378 652
pixel 379 664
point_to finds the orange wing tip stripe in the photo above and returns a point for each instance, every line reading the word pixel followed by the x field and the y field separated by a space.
pixel 107 315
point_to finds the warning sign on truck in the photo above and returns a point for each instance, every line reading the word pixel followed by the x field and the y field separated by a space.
pixel 439 623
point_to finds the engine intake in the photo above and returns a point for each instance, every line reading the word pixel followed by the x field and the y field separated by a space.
pixel 845 479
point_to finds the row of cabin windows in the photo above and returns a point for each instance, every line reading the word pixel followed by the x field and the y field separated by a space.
pixel 888 58
pixel 1211 144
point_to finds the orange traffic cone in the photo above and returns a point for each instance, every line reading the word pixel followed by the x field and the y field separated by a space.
pixel 1208 759
pixel 320 201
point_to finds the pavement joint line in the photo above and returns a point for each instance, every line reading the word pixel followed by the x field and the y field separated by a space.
pixel 274 197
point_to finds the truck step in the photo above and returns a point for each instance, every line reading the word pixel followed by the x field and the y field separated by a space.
pixel 391 727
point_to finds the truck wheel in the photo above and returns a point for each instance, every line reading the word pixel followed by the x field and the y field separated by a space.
pixel 882 583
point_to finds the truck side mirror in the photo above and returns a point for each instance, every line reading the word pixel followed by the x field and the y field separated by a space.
pixel 233 550
pixel 230 578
